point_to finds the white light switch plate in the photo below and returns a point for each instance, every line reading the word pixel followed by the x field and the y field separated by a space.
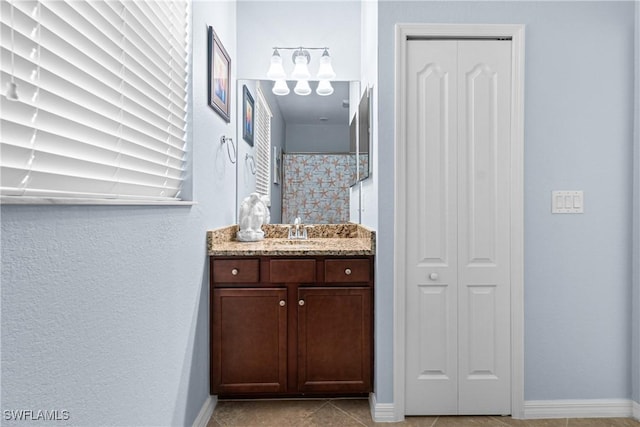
pixel 567 202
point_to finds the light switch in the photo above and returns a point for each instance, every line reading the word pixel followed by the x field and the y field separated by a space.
pixel 567 202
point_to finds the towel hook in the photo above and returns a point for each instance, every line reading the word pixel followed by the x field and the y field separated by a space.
pixel 252 163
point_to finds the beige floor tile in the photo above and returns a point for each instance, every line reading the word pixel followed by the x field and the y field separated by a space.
pixel 602 422
pixel 416 422
pixel 359 409
pixel 213 423
pixel 274 413
pixel 330 416
pixel 556 422
pixel 468 422
pixel 356 413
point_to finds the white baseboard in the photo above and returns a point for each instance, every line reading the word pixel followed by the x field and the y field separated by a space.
pixel 206 411
pixel 588 408
pixel 636 410
pixel 382 412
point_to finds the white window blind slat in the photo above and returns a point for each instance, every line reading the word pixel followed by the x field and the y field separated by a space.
pixel 46 184
pixel 262 145
pixel 102 104
pixel 114 137
pixel 14 137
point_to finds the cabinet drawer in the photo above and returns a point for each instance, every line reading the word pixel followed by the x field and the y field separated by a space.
pixel 347 270
pixel 292 271
pixel 236 271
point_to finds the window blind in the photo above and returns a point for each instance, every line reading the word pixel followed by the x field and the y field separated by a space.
pixel 262 137
pixel 102 99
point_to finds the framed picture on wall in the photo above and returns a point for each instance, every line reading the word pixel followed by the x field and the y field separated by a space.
pixel 219 72
pixel 277 165
pixel 247 115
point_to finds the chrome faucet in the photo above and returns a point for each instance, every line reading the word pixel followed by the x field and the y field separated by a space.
pixel 298 231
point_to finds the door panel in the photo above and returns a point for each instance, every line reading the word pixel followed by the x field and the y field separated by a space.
pixel 249 347
pixel 432 376
pixel 484 338
pixel 334 339
pixel 457 263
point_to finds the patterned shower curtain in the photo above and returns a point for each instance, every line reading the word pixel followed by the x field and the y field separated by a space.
pixel 315 187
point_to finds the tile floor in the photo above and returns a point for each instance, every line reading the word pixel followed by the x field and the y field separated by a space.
pixel 355 413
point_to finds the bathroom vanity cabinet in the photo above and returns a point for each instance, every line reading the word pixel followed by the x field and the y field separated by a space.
pixel 291 326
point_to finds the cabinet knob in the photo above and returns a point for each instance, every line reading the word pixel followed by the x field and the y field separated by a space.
pixel 301 302
pixel 282 303
pixel 433 276
pixel 234 272
pixel 347 271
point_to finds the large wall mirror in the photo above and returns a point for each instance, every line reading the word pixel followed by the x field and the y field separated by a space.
pixel 310 152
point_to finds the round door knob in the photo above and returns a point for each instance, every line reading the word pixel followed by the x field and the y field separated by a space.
pixel 234 272
pixel 282 303
pixel 347 271
pixel 301 302
pixel 433 276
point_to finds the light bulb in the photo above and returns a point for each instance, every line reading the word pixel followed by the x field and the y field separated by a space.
pixel 324 88
pixel 280 88
pixel 300 70
pixel 276 70
pixel 325 71
pixel 302 88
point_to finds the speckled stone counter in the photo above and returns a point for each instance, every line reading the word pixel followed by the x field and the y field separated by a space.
pixel 323 239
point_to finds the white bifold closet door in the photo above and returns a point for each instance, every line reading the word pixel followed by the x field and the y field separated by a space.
pixel 458 227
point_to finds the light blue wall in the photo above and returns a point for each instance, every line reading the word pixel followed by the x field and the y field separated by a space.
pixel 264 24
pixel 318 138
pixel 578 136
pixel 105 308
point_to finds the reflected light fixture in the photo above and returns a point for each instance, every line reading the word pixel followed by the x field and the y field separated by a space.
pixel 12 88
pixel 324 88
pixel 301 59
pixel 281 88
pixel 302 88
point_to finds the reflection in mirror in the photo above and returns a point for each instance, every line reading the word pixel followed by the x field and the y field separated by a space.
pixel 364 136
pixel 311 166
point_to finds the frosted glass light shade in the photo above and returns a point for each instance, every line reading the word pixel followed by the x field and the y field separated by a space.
pixel 300 70
pixel 280 88
pixel 302 88
pixel 325 71
pixel 276 70
pixel 324 88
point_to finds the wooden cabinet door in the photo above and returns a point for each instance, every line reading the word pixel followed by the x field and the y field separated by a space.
pixel 249 341
pixel 334 340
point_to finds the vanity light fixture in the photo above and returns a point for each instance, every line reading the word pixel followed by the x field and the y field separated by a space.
pixel 301 58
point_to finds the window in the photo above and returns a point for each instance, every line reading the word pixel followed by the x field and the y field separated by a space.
pixel 263 145
pixel 102 99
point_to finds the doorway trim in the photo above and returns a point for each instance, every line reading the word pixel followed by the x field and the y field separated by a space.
pixel 453 31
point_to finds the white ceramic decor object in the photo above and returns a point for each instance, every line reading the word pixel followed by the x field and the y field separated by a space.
pixel 253 213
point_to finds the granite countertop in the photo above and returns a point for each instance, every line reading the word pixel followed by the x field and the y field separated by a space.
pixel 323 239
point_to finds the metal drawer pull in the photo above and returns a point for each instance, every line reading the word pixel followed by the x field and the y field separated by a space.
pixel 433 276
pixel 234 272
pixel 301 302
pixel 282 303
pixel 347 271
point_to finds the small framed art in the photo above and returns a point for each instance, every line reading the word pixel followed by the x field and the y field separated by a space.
pixel 219 72
pixel 248 115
